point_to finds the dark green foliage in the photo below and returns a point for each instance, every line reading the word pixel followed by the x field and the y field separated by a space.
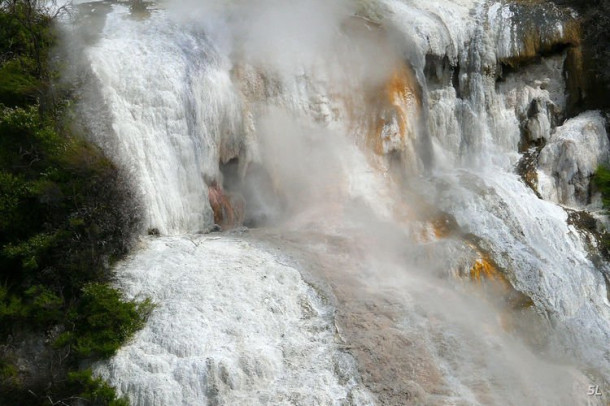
pixel 11 307
pixel 93 390
pixel 66 213
pixel 25 38
pixel 27 31
pixel 103 322
pixel 38 305
pixel 64 207
pixel 17 87
pixel 8 374
pixel 601 179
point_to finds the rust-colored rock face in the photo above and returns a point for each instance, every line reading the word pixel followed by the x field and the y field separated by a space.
pixel 395 115
pixel 228 209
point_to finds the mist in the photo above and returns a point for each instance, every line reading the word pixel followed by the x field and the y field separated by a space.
pixel 311 65
pixel 319 118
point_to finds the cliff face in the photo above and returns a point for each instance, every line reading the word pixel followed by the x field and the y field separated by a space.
pixel 487 88
pixel 595 31
pixel 401 148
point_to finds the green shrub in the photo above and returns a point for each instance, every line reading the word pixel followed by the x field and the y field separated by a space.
pixel 12 191
pixel 103 322
pixel 32 252
pixel 17 87
pixel 11 307
pixel 93 390
pixel 44 306
pixel 601 180
pixel 8 374
pixel 66 213
pixel 28 145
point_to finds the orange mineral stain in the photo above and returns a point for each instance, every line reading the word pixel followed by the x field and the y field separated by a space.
pixel 397 102
pixel 228 210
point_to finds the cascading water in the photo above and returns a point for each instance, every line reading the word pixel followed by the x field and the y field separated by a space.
pixel 173 123
pixel 385 136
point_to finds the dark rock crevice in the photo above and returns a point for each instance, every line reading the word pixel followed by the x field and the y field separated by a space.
pixel 248 192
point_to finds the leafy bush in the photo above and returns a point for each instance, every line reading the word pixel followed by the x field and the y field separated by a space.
pixel 601 179
pixel 103 322
pixel 93 390
pixel 17 87
pixel 66 213
pixel 11 307
pixel 66 210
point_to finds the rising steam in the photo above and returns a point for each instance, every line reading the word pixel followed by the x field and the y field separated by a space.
pixel 317 122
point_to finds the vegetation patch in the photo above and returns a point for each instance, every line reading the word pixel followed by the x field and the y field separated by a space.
pixel 601 182
pixel 67 213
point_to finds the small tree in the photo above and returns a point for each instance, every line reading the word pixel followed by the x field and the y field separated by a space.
pixel 35 17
